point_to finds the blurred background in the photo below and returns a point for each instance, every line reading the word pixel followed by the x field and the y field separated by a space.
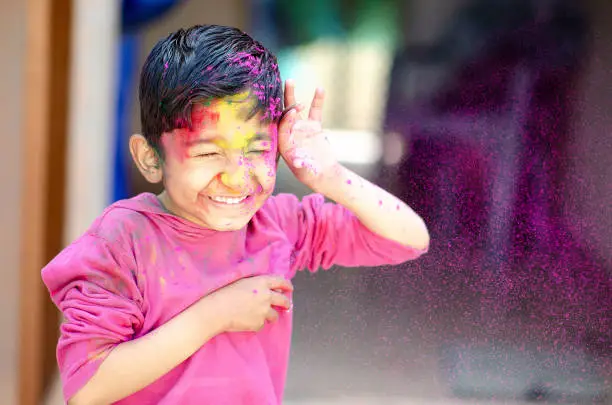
pixel 489 117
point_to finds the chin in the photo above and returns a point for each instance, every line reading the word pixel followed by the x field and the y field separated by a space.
pixel 228 224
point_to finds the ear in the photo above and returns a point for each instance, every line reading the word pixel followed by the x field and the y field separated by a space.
pixel 146 158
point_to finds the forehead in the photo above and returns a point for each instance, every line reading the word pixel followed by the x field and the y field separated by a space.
pixel 226 111
pixel 226 122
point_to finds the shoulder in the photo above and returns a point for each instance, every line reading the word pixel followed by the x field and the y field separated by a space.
pixel 288 213
pixel 112 233
pixel 280 202
pixel 286 205
pixel 126 221
pixel 104 252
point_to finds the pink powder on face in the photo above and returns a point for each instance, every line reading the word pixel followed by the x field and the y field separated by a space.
pixel 202 117
pixel 181 139
pixel 349 182
pixel 272 129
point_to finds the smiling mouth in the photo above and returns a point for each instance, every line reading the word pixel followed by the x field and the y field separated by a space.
pixel 228 200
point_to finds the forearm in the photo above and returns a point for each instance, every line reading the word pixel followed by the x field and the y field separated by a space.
pixel 378 210
pixel 133 365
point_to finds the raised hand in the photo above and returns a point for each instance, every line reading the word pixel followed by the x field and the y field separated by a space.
pixel 302 142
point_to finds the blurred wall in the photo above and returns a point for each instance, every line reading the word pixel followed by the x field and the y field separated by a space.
pixel 426 20
pixel 12 51
pixel 589 174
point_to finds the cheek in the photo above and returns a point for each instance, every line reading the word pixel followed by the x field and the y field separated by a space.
pixel 189 179
pixel 174 144
pixel 265 171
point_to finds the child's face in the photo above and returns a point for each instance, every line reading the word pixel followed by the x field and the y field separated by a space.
pixel 222 171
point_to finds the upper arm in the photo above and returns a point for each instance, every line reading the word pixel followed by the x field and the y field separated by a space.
pixel 93 285
pixel 326 234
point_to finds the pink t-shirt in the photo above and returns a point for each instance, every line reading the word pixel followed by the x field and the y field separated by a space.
pixel 138 266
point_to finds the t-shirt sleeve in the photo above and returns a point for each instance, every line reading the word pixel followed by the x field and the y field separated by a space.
pixel 93 284
pixel 326 234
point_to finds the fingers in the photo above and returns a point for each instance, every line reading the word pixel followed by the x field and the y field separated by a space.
pixel 279 283
pixel 316 107
pixel 289 92
pixel 272 282
pixel 279 300
pixel 272 315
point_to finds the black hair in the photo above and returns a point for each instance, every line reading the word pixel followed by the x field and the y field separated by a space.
pixel 198 65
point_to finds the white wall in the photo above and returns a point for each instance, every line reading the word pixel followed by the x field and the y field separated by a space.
pixel 12 51
pixel 92 111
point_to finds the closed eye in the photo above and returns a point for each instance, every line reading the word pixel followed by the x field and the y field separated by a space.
pixel 207 155
pixel 258 151
pixel 258 147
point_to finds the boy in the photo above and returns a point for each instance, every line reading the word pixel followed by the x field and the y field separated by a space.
pixel 185 298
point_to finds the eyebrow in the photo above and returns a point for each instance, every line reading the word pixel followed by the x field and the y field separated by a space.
pixel 259 136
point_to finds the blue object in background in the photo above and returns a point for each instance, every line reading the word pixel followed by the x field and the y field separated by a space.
pixel 263 23
pixel 135 13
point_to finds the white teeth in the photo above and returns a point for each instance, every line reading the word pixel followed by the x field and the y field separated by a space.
pixel 229 200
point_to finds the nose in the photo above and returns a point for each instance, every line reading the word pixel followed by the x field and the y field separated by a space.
pixel 236 173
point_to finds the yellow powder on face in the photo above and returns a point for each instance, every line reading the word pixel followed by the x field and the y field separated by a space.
pixel 235 179
pixel 232 111
pixel 237 134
